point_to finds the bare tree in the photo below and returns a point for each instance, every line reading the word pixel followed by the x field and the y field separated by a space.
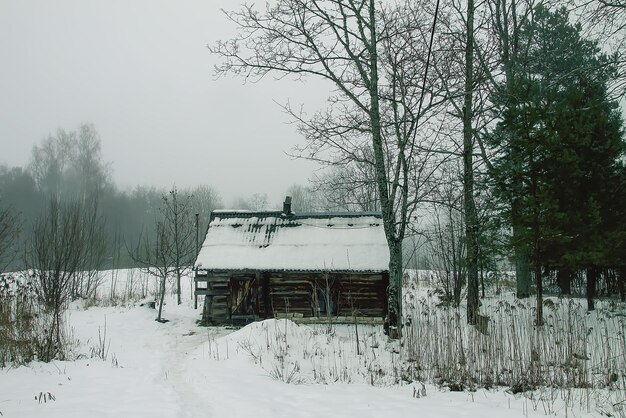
pixel 94 245
pixel 49 161
pixel 155 259
pixel 178 234
pixel 465 30
pixel 492 50
pixel 173 251
pixel 66 249
pixel 350 187
pixel 446 243
pixel 204 200
pixel 69 164
pixel 469 205
pixel 605 22
pixel 255 202
pixel 376 57
pixel 55 253
pixel 87 168
pixel 304 198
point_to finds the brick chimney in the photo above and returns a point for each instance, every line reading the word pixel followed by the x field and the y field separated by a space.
pixel 287 205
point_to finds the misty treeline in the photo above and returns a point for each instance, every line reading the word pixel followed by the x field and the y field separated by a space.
pixel 489 134
pixel 67 170
pixel 63 220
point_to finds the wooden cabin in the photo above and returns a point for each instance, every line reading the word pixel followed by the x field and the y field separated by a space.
pixel 255 265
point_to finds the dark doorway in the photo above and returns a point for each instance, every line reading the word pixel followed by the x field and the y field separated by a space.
pixel 244 297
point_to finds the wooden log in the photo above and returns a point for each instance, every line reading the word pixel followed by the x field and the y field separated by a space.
pixel 211 292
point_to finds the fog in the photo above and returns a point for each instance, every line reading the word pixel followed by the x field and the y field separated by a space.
pixel 141 73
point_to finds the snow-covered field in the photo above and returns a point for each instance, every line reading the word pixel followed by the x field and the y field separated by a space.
pixel 273 368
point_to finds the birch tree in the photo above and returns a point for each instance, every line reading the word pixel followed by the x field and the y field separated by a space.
pixel 376 58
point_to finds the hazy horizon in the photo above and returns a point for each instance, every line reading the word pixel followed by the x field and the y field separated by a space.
pixel 141 73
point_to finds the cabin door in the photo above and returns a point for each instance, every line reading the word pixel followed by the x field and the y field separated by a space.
pixel 244 296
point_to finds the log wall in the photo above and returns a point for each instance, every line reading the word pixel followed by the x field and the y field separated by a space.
pixel 248 296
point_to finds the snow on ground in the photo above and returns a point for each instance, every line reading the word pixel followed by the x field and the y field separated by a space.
pixel 178 369
pixel 133 381
pixel 238 384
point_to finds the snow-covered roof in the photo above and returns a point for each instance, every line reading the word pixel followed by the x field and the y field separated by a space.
pixel 272 241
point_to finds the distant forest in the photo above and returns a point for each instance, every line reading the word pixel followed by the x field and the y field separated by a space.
pixel 67 167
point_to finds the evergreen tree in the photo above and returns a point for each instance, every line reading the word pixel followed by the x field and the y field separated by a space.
pixel 564 139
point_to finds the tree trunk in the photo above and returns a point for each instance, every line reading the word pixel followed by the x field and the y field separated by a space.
pixel 161 299
pixel 522 275
pixel 539 285
pixel 592 276
pixel 564 281
pixel 621 279
pixel 536 234
pixel 394 293
pixel 457 281
pixel 522 268
pixel 508 45
pixel 610 280
pixel 457 275
pixel 471 220
pixel 481 261
pixel 178 290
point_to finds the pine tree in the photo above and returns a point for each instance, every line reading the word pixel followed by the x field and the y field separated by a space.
pixel 564 139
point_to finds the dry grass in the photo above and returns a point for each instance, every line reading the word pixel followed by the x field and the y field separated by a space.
pixel 573 349
pixel 25 323
pixel 576 357
pixel 18 320
pixel 575 361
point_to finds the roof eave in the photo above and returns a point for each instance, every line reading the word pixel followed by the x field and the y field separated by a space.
pixel 279 270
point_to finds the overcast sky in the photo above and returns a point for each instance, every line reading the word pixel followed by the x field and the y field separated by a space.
pixel 140 71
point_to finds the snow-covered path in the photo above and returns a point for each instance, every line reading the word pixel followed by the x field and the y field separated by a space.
pixel 129 383
pixel 184 338
pixel 171 370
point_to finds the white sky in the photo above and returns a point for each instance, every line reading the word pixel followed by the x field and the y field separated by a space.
pixel 140 71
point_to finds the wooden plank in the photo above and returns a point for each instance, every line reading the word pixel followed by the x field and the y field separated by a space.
pixel 291 293
pixel 220 312
pixel 211 292
pixel 243 317
pixel 364 320
pixel 210 280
